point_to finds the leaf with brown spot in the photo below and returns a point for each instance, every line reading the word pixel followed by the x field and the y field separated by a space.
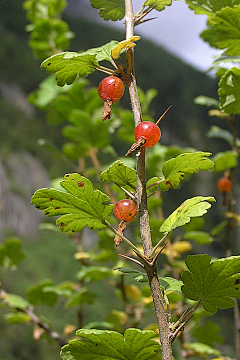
pixel 175 169
pixel 78 206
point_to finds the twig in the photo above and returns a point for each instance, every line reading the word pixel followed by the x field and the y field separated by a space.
pixel 35 319
pixel 106 223
pixel 164 330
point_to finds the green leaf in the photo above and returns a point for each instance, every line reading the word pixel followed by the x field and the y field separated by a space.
pixel 94 273
pixel 87 131
pixel 151 183
pixel 174 170
pixel 120 174
pixel 15 301
pixel 213 284
pixel 196 206
pixel 110 345
pixel 46 93
pixel 103 52
pixel 14 250
pixel 225 160
pixel 43 8
pixel 17 317
pixel 217 132
pixel 170 284
pixel 206 101
pixel 200 237
pixel 208 333
pixel 209 7
pixel 208 35
pixel 69 65
pixel 158 5
pixel 49 36
pixel 229 91
pixel 39 294
pixel 227 30
pixel 226 59
pixel 82 296
pixel 219 228
pixel 80 205
pixel 110 9
pixel 11 253
pixel 201 349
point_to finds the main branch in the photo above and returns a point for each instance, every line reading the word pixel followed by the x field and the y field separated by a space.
pixel 164 329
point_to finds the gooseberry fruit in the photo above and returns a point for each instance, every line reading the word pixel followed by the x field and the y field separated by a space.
pixel 224 184
pixel 126 210
pixel 149 131
pixel 111 88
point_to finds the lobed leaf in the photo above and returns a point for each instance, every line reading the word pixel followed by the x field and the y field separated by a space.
pixel 79 206
pixel 174 170
pixel 225 160
pixel 120 174
pixel 209 7
pixel 69 65
pixel 196 206
pixel 213 284
pixel 110 345
pixel 103 52
pixel 229 91
pixel 158 5
pixel 110 9
pixel 227 29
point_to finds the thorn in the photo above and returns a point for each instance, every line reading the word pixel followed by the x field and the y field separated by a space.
pixel 161 117
pixel 131 259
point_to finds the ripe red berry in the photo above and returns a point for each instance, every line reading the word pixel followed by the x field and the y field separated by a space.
pixel 125 210
pixel 111 88
pixel 149 131
pixel 224 184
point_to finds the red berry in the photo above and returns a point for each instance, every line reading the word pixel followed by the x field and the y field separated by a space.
pixel 149 131
pixel 224 184
pixel 125 210
pixel 111 88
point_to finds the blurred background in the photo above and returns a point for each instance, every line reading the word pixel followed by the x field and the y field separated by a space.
pixel 170 58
